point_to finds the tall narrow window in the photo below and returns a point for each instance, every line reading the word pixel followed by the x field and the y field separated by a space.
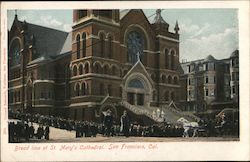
pixel 77 90
pixel 74 71
pixel 102 44
pixel 172 60
pixel 206 91
pixel 78 46
pixel 206 79
pixel 84 45
pixel 86 66
pixel 83 89
pixel 166 59
pixel 80 69
pixel 110 46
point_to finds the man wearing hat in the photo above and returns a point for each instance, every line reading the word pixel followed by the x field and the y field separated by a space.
pixel 108 122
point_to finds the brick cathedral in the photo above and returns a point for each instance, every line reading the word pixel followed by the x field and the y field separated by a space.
pixel 112 59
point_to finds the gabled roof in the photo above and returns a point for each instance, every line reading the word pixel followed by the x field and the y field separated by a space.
pixel 138 66
pixel 67 46
pixel 123 13
pixel 49 41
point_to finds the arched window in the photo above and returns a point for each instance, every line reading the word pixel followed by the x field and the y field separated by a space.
pixel 86 68
pixel 15 52
pixel 83 89
pixel 110 47
pixel 172 60
pixel 175 80
pixel 84 45
pixel 102 45
pixel 169 79
pixel 135 83
pixel 105 69
pixel 74 71
pixel 114 70
pixel 80 69
pixel 78 46
pixel 166 95
pixel 135 44
pixel 166 59
pixel 163 78
pixel 77 89
pixel 97 67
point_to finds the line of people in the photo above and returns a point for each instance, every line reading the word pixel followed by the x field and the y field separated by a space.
pixel 23 130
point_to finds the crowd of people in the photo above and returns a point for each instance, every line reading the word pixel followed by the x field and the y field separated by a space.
pixel 23 127
pixel 23 130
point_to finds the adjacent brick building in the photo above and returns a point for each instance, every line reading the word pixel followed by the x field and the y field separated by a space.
pixel 209 85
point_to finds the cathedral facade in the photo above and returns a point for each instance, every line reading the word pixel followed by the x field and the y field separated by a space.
pixel 112 59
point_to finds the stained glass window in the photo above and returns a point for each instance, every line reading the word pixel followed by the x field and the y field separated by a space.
pixel 15 52
pixel 135 83
pixel 135 44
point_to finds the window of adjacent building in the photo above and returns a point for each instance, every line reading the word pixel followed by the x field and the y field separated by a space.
pixel 82 13
pixel 135 44
pixel 205 66
pixel 206 92
pixel 237 76
pixel 212 92
pixel 211 66
pixel 84 44
pixel 78 46
pixel 189 81
pixel 233 89
pixel 206 79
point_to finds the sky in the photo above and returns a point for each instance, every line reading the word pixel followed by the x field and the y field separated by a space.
pixel 203 32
